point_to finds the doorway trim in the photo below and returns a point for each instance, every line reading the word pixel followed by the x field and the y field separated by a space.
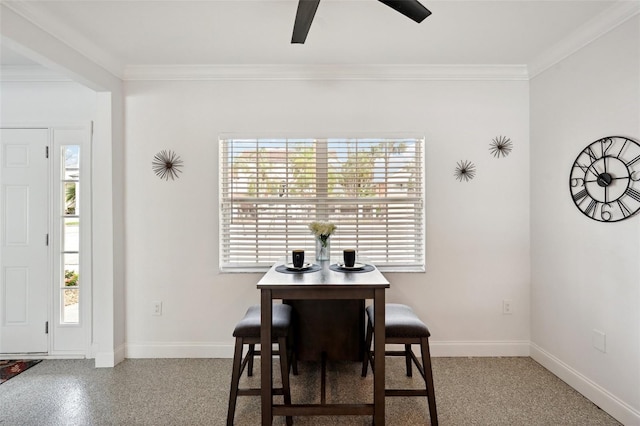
pixel 60 134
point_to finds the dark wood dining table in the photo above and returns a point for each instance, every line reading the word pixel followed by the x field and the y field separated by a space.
pixel 324 284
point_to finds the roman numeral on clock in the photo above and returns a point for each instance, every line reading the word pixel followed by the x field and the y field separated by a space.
pixel 632 162
pixel 591 154
pixel 624 209
pixel 633 194
pixel 579 196
pixel 591 208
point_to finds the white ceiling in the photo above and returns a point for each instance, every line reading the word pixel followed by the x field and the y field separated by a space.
pixel 117 34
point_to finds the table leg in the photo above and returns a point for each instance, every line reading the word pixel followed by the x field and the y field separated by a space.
pixel 266 378
pixel 378 351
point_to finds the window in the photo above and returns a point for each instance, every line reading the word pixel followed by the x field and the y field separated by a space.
pixel 372 189
pixel 70 242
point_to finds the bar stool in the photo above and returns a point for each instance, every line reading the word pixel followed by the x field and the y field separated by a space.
pixel 247 332
pixel 402 326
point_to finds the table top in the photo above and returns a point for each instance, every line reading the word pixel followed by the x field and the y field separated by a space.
pixel 324 277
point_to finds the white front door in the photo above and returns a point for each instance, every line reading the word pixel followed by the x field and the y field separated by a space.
pixel 24 253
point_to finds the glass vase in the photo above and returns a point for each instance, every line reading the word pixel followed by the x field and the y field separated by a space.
pixel 323 248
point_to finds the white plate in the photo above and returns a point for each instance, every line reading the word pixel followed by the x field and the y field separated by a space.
pixel 355 266
pixel 290 267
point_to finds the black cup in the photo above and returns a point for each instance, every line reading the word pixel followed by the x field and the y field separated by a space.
pixel 298 258
pixel 349 257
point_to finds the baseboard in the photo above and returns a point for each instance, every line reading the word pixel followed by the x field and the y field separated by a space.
pixel 40 356
pixel 120 353
pixel 105 360
pixel 225 350
pixel 479 348
pixel 618 409
pixel 111 358
pixel 179 350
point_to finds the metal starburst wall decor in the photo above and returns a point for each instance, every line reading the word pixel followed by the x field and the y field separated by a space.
pixel 500 146
pixel 166 164
pixel 465 170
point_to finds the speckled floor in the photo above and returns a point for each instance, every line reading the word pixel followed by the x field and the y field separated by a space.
pixel 469 391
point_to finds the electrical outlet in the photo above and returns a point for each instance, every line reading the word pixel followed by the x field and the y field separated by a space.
pixel 156 308
pixel 507 307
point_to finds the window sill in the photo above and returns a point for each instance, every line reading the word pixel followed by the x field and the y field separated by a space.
pixel 264 269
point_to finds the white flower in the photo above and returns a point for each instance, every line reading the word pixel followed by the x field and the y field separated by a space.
pixel 322 230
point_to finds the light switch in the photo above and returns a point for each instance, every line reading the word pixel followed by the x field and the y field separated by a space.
pixel 599 340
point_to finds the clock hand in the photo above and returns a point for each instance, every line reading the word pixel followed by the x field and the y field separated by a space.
pixel 613 178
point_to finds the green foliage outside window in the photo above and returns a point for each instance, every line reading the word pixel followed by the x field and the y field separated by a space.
pixel 353 177
pixel 70 278
pixel 70 199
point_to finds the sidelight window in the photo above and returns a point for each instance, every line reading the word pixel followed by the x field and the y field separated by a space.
pixel 70 218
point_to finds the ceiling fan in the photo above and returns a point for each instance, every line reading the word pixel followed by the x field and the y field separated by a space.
pixel 307 10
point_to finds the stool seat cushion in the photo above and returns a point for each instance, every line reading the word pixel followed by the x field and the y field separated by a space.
pixel 400 321
pixel 249 326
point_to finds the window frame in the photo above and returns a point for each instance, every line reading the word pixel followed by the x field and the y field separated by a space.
pixel 419 221
pixel 62 214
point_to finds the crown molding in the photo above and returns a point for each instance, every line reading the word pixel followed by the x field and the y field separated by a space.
pixel 326 72
pixel 30 73
pixel 609 19
pixel 71 38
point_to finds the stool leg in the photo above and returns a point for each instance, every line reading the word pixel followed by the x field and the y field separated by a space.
pixel 293 359
pixel 284 372
pixel 294 363
pixel 367 349
pixel 408 360
pixel 251 354
pixel 235 380
pixel 428 374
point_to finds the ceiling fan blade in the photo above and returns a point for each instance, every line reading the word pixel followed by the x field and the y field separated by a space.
pixel 410 8
pixel 304 17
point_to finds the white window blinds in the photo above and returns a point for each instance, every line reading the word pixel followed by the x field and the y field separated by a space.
pixel 372 189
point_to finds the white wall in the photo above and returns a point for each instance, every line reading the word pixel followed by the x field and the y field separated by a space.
pixel 477 232
pixel 46 103
pixel 585 274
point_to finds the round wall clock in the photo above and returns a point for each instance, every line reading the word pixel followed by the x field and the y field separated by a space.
pixel 605 179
